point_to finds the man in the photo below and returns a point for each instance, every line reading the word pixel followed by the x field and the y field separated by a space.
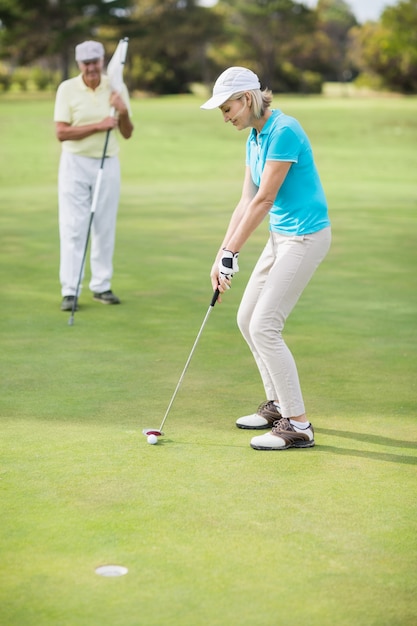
pixel 82 119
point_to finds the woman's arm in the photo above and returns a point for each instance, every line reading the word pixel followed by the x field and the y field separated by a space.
pixel 253 206
pixel 248 193
pixel 272 178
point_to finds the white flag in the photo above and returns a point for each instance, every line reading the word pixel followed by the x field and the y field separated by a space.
pixel 116 64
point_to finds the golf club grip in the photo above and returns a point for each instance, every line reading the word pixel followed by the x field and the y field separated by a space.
pixel 214 298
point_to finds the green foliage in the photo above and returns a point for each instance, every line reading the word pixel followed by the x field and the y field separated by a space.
pixel 45 28
pixel 31 79
pixel 291 79
pixel 44 79
pixel 177 43
pixel 311 82
pixel 335 21
pixel 21 78
pixel 5 78
pixel 265 32
pixel 389 48
pixel 168 42
pixel 336 14
pixel 397 61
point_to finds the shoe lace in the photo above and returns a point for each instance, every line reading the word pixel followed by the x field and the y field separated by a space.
pixel 269 404
pixel 282 424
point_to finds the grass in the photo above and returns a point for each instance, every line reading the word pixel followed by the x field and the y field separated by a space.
pixel 213 533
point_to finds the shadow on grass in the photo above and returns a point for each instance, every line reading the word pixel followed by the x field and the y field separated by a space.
pixel 374 439
pixel 376 456
pixel 382 441
pixel 202 443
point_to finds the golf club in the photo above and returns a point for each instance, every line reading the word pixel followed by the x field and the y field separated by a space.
pixel 92 211
pixel 158 432
pixel 115 68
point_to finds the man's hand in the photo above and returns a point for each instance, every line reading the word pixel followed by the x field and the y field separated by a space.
pixel 118 103
pixel 124 122
pixel 108 123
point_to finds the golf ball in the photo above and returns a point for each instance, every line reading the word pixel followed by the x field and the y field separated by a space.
pixel 152 439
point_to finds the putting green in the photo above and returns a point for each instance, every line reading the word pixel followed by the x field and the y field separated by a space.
pixel 212 533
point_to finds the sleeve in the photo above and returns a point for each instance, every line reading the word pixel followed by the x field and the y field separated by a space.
pixel 284 146
pixel 62 112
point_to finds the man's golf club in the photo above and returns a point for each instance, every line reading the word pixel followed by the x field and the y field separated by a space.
pixel 119 59
pixel 158 432
pixel 92 211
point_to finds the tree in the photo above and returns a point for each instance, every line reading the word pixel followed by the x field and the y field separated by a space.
pixel 389 48
pixel 32 29
pixel 168 45
pixel 265 34
pixel 335 21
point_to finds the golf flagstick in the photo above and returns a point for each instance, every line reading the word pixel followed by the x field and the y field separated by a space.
pixel 115 74
pixel 152 431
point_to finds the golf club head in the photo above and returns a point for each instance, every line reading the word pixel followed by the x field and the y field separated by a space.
pixel 152 431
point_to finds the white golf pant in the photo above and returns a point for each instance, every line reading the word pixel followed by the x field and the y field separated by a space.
pixel 282 272
pixel 76 183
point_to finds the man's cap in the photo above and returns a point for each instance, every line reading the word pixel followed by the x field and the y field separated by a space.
pixel 233 80
pixel 89 50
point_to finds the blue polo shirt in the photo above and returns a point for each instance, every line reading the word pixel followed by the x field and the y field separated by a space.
pixel 300 206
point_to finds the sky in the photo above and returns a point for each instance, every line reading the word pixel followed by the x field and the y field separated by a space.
pixel 363 9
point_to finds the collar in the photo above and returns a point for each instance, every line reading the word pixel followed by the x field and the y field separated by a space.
pixel 85 87
pixel 254 135
pixel 267 126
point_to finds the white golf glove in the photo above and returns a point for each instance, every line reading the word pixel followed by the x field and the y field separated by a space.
pixel 228 265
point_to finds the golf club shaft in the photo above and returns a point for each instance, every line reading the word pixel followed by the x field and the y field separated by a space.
pixel 213 302
pixel 74 304
pixel 92 211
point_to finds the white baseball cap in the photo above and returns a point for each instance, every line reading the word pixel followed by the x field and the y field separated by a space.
pixel 89 50
pixel 233 80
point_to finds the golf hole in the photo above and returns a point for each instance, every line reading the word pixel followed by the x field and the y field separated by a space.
pixel 111 570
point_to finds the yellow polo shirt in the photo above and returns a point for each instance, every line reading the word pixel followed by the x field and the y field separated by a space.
pixel 77 104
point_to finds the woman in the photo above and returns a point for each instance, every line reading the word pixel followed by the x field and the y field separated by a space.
pixel 280 179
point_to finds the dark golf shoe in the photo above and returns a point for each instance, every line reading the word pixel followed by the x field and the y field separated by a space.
pixel 67 303
pixel 107 297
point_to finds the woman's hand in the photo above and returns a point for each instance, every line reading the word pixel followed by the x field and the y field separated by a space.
pixel 218 282
pixel 228 265
pixel 224 267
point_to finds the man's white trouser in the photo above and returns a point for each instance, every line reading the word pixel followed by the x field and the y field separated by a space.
pixel 282 272
pixel 76 182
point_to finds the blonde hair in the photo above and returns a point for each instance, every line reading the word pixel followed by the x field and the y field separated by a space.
pixel 261 100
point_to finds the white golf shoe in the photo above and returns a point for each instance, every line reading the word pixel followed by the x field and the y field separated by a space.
pixel 265 416
pixel 284 435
